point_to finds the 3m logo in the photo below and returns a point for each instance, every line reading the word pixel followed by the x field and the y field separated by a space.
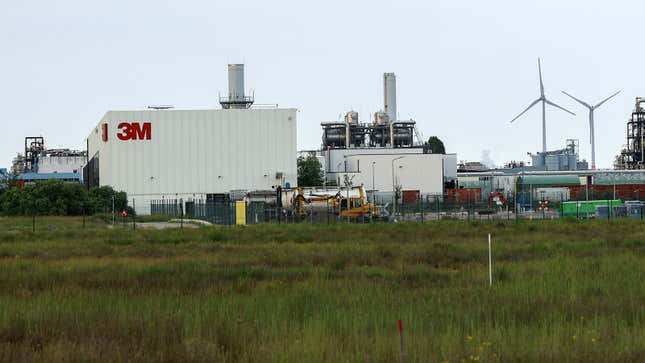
pixel 134 131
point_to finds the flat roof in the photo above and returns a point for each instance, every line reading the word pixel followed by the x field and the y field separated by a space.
pixel 49 176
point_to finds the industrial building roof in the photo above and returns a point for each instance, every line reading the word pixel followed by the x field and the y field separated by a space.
pixel 550 180
pixel 619 178
pixel 49 176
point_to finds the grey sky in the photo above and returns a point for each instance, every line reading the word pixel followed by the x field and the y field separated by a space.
pixel 464 68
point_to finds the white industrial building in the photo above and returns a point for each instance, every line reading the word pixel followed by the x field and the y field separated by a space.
pixel 61 161
pixel 192 154
pixel 382 169
pixel 382 154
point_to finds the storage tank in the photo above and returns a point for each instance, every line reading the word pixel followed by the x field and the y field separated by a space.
pixel 351 118
pixel 389 95
pixel 334 135
pixel 552 162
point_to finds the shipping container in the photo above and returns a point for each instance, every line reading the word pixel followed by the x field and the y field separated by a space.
pixel 410 196
pixel 586 208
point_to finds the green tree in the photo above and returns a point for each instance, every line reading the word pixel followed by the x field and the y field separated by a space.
pixel 55 197
pixel 310 173
pixel 100 199
pixel 436 145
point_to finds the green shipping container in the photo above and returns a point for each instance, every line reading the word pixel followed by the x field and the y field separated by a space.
pixel 585 208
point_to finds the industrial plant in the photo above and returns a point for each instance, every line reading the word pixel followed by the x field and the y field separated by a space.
pixel 174 161
pixel 41 163
pixel 384 154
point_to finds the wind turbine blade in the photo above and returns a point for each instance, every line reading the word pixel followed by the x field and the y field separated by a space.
pixel 557 106
pixel 579 101
pixel 528 108
pixel 540 72
pixel 606 99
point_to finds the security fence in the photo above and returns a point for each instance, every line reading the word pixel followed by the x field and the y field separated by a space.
pixel 425 208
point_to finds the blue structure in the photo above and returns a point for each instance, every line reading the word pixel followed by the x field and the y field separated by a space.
pixel 66 177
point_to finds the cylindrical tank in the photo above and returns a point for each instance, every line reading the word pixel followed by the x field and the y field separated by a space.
pixel 402 136
pixel 357 136
pixel 351 117
pixel 236 82
pixel 334 136
pixel 572 161
pixel 380 135
pixel 381 118
pixel 389 95
pixel 552 162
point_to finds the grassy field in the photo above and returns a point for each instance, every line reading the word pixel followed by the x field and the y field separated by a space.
pixel 563 291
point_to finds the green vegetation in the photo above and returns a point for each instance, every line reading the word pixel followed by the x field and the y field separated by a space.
pixel 310 173
pixel 563 291
pixel 436 145
pixel 55 197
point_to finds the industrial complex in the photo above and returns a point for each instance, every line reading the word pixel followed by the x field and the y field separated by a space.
pixel 248 153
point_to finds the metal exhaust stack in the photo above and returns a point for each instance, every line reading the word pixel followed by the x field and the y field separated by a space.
pixel 389 95
pixel 236 98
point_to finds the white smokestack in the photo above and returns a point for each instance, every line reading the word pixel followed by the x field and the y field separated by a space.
pixel 389 95
pixel 236 82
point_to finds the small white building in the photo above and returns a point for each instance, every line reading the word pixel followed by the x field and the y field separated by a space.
pixel 382 169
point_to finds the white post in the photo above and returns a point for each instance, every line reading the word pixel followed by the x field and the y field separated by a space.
pixel 490 263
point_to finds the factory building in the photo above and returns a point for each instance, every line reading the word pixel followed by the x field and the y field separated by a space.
pixel 194 154
pixel 383 154
pixel 39 163
pixel 633 155
pixel 566 159
pixel 530 186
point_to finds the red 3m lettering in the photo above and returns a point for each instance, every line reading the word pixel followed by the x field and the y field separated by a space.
pixel 134 131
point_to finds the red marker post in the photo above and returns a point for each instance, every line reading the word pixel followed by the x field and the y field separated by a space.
pixel 400 324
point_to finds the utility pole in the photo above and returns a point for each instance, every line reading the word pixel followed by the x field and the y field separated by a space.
pixel 373 187
pixel 394 189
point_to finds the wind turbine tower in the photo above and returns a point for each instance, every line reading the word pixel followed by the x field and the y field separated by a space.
pixel 545 102
pixel 591 123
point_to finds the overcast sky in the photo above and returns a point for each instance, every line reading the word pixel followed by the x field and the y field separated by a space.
pixel 464 68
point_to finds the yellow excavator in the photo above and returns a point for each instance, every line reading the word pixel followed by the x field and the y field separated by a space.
pixel 358 205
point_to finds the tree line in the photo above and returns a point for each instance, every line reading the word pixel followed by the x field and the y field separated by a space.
pixel 55 197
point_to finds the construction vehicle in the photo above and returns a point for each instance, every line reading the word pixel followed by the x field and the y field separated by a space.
pixel 336 201
pixel 358 206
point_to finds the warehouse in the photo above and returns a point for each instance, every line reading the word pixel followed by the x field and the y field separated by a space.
pixel 194 154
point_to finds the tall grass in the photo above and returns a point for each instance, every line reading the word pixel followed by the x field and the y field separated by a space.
pixel 563 291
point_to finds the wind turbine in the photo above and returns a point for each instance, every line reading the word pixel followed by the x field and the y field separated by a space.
pixel 591 123
pixel 545 102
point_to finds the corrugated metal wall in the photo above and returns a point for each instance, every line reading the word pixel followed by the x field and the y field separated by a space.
pixel 197 152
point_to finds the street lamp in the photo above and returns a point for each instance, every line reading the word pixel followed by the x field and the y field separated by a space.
pixel 394 185
pixel 373 188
